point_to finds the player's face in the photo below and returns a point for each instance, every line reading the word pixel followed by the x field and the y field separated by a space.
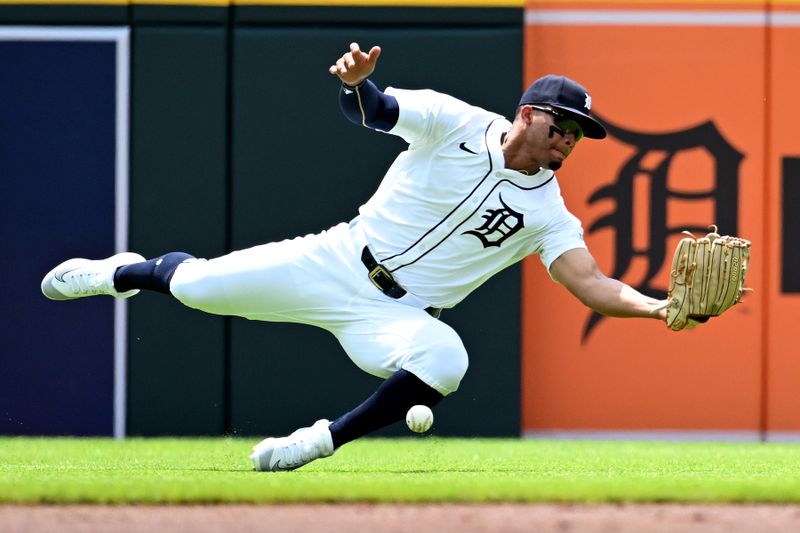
pixel 552 136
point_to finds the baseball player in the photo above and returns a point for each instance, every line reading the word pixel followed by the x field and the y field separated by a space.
pixel 472 194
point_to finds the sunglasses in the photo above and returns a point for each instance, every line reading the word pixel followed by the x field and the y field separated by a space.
pixel 563 124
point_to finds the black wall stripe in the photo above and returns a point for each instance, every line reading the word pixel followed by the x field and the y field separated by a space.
pixel 790 260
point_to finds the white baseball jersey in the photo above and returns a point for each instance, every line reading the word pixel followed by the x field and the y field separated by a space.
pixel 445 218
pixel 448 215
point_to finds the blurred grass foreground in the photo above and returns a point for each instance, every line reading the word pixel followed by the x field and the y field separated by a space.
pixel 426 469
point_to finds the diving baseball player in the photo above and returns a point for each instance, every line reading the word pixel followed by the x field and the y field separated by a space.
pixel 472 194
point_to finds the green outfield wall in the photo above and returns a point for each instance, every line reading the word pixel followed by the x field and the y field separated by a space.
pixel 236 139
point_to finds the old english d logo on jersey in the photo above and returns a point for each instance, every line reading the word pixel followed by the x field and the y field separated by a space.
pixel 500 225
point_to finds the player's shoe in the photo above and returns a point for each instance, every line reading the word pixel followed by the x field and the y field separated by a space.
pixel 298 449
pixel 76 278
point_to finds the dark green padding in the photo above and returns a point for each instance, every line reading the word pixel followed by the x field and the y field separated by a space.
pixel 299 167
pixel 178 203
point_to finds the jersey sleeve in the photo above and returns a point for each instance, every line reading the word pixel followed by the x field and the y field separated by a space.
pixel 564 234
pixel 426 115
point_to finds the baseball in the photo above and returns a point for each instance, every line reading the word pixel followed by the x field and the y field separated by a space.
pixel 419 418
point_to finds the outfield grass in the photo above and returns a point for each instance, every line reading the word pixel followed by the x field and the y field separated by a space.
pixel 36 470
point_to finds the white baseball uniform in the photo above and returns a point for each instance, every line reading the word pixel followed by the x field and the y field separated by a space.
pixel 446 217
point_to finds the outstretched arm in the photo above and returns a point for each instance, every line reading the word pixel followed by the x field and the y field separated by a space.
pixel 578 272
pixel 360 99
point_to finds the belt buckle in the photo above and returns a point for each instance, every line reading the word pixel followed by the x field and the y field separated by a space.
pixel 380 272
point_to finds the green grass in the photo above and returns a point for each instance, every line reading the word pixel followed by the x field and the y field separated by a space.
pixel 36 470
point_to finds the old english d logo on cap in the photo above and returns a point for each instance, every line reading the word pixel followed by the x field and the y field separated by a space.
pixel 566 95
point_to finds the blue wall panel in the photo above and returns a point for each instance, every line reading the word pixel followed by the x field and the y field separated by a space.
pixel 57 169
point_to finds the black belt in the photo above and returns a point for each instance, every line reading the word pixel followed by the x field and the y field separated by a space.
pixel 380 276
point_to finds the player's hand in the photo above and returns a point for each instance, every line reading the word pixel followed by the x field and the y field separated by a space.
pixel 355 66
pixel 660 309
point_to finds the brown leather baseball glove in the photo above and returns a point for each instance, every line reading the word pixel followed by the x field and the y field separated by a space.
pixel 707 278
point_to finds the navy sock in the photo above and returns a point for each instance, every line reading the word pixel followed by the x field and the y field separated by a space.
pixel 154 274
pixel 389 404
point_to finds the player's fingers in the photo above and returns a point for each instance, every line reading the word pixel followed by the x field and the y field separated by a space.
pixel 374 52
pixel 358 56
pixel 340 67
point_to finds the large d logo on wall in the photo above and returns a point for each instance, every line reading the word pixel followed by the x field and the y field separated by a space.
pixel 652 159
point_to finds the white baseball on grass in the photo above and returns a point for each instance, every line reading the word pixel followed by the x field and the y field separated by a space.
pixel 419 418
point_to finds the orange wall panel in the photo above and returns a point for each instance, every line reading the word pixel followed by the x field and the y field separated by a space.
pixel 649 82
pixel 781 320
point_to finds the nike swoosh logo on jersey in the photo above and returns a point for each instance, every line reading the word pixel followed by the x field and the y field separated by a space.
pixel 463 146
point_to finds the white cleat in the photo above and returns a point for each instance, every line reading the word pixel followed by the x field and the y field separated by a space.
pixel 76 278
pixel 277 454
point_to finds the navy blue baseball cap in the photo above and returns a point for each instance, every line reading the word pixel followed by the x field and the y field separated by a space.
pixel 568 96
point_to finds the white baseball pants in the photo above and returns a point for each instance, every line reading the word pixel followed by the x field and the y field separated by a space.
pixel 320 280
